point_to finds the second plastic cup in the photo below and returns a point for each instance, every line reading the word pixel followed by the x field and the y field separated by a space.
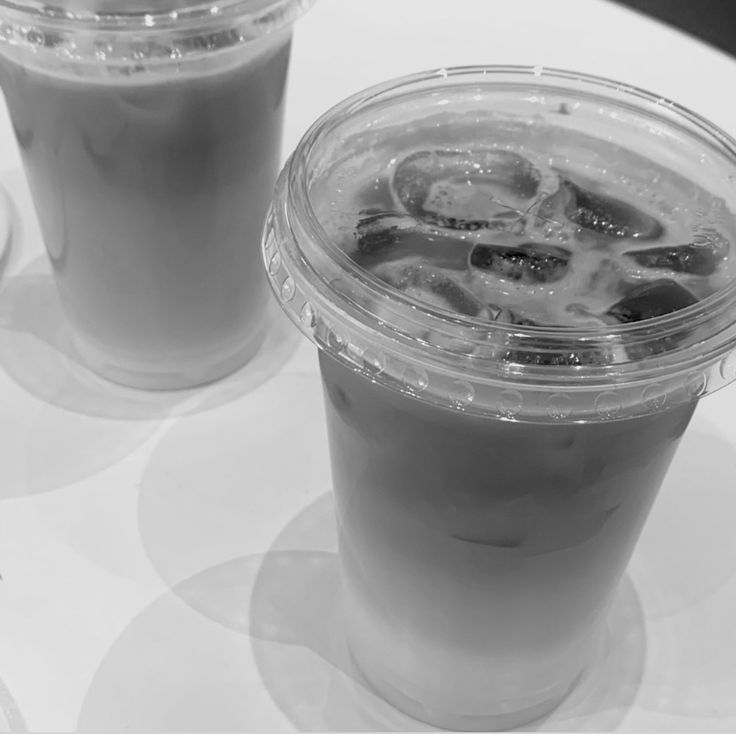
pixel 492 475
pixel 151 143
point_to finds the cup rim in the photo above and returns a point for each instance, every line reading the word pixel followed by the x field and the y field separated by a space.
pixel 267 15
pixel 139 44
pixel 293 225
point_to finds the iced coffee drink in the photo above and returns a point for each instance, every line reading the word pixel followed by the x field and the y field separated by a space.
pixel 520 285
pixel 151 144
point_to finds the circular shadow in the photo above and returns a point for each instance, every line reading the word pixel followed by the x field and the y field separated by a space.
pixel 37 353
pixel 279 346
pixel 685 567
pixel 45 447
pixel 257 644
pixel 690 670
pixel 687 550
pixel 221 484
pixel 173 670
pixel 65 423
pixel 11 719
pixel 47 444
pixel 300 649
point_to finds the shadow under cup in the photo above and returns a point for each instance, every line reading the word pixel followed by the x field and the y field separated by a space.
pixel 151 143
pixel 491 479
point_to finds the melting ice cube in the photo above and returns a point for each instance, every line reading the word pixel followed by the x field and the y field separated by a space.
pixel 601 214
pixel 430 286
pixel 382 236
pixel 380 231
pixel 693 259
pixel 528 263
pixel 540 350
pixel 466 190
pixel 650 300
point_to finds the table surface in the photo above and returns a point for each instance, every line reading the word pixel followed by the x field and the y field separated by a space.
pixel 168 560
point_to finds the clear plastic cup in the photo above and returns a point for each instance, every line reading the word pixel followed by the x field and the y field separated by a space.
pixel 150 134
pixel 490 488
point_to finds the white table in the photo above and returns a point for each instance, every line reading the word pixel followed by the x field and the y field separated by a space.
pixel 168 561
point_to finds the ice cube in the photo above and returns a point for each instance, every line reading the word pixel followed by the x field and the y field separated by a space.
pixel 378 231
pixel 505 315
pixel 650 300
pixel 606 215
pixel 693 259
pixel 541 350
pixel 548 353
pixel 384 235
pixel 529 263
pixel 430 286
pixel 376 195
pixel 466 190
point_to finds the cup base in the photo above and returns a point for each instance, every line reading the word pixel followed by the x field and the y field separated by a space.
pixel 456 720
pixel 168 377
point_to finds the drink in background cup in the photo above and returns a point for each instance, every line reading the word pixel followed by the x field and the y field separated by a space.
pixel 521 284
pixel 151 143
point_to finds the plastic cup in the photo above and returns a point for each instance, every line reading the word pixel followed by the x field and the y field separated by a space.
pixel 150 134
pixel 487 507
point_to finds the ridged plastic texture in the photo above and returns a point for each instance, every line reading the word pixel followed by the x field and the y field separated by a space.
pixel 680 357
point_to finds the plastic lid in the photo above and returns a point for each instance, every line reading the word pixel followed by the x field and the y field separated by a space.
pixel 380 331
pixel 138 34
pixel 153 15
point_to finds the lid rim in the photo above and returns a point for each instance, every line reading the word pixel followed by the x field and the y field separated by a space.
pixel 270 15
pixel 295 234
